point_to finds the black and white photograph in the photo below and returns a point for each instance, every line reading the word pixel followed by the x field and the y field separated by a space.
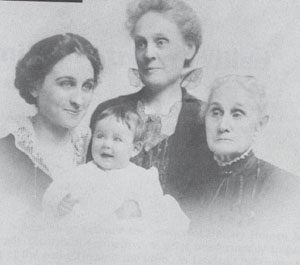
pixel 150 132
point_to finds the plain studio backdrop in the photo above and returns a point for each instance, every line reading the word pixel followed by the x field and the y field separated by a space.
pixel 259 37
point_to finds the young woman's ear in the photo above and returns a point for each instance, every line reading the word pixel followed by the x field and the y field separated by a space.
pixel 137 147
pixel 34 90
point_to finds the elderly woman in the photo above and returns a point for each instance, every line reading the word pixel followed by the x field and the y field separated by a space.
pixel 167 36
pixel 57 75
pixel 243 187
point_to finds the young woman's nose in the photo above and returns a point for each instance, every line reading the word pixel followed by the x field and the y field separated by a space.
pixel 225 124
pixel 77 98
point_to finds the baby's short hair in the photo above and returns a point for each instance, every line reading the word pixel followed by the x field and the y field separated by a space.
pixel 124 112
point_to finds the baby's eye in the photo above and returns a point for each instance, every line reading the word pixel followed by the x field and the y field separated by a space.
pixel 99 136
pixel 118 139
pixel 88 86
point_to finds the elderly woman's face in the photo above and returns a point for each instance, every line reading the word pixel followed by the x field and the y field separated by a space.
pixel 232 121
pixel 160 50
pixel 65 94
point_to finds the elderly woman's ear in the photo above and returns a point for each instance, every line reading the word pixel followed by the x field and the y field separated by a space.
pixel 263 121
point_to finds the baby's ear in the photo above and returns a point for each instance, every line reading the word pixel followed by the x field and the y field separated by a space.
pixel 137 147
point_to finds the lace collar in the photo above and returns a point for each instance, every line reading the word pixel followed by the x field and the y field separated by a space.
pixel 159 126
pixel 235 160
pixel 25 141
pixel 244 163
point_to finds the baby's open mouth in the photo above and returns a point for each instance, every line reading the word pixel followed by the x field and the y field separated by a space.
pixel 104 155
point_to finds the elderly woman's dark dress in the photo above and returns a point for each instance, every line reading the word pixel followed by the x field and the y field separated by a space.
pixel 247 190
pixel 180 157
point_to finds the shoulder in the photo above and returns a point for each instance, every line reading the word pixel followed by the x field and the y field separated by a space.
pixel 129 98
pixel 279 182
pixel 194 106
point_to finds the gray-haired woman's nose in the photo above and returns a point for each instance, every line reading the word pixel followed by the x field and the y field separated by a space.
pixel 150 51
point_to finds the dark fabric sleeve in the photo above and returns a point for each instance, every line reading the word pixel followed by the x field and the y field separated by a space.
pixel 19 177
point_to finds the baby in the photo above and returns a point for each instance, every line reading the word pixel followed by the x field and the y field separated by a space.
pixel 110 186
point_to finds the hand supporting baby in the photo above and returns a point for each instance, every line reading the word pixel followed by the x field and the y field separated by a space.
pixel 129 209
pixel 66 205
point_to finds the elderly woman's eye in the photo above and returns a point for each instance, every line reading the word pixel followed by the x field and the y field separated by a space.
pixel 161 42
pixel 88 86
pixel 238 114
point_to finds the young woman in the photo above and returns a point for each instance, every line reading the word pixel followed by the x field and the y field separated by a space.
pixel 58 75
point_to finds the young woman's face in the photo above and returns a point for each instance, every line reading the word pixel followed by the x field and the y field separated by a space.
pixel 232 121
pixel 112 144
pixel 160 50
pixel 65 94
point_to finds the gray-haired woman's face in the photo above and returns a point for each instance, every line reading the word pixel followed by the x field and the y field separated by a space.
pixel 232 121
pixel 160 50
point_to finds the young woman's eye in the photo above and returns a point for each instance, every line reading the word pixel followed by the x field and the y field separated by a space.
pixel 66 83
pixel 88 86
pixel 161 42
pixel 140 44
pixel 215 112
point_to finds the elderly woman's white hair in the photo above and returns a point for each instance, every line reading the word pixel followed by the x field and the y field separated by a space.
pixel 248 83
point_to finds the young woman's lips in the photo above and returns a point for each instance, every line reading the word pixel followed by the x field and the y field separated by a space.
pixel 73 112
pixel 224 139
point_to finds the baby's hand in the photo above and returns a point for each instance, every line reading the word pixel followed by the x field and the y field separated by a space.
pixel 66 205
pixel 129 209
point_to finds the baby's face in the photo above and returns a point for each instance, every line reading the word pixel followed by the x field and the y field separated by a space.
pixel 112 144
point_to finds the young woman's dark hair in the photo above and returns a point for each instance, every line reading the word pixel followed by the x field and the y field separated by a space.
pixel 40 59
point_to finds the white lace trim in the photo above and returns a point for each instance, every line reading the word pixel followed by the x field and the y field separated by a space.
pixel 241 157
pixel 25 141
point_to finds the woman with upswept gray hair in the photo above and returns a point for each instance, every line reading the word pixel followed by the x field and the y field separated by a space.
pixel 243 187
pixel 167 37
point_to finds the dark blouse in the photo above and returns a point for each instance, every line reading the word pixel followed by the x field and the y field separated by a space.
pixel 248 190
pixel 19 176
pixel 180 157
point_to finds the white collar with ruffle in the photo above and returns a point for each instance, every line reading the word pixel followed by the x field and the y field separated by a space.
pixel 25 140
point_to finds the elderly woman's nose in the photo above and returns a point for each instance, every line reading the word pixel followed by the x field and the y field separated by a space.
pixel 224 123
